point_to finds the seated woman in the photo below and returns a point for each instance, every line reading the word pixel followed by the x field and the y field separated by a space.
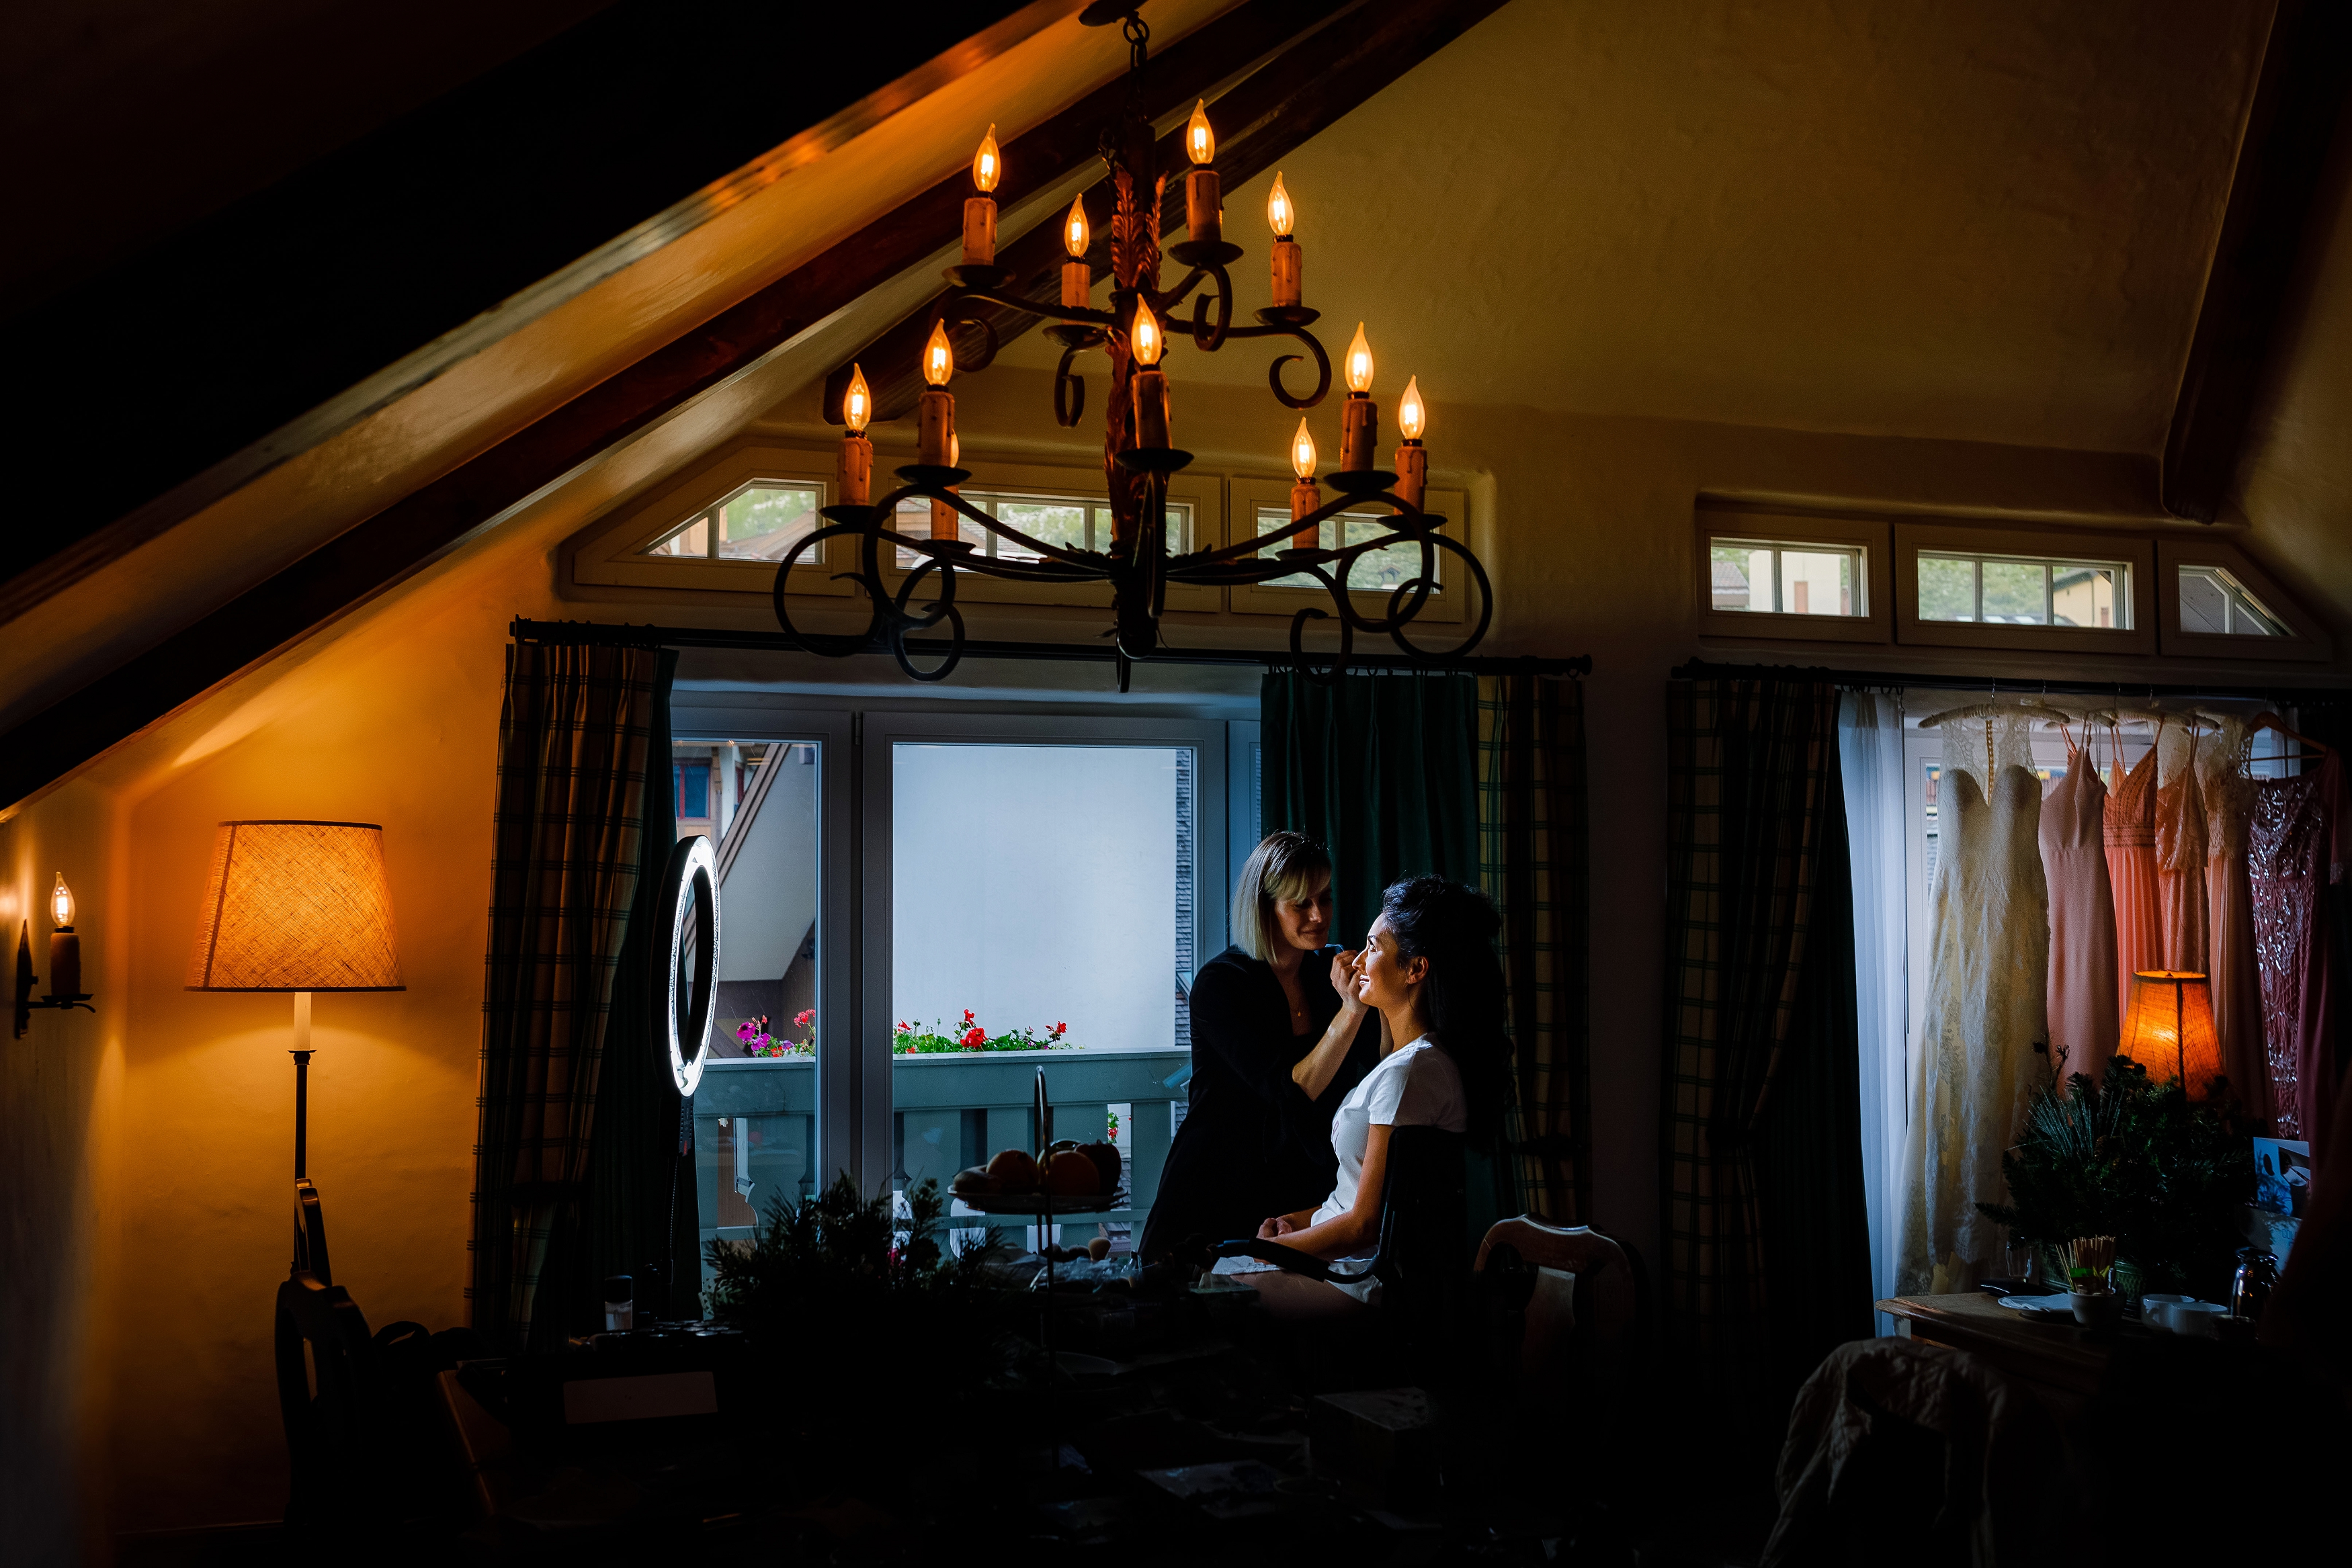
pixel 1429 968
pixel 1266 1016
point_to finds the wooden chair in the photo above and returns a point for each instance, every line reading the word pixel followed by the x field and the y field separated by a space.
pixel 333 1402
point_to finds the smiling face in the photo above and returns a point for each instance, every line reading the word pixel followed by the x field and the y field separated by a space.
pixel 1307 921
pixel 1386 980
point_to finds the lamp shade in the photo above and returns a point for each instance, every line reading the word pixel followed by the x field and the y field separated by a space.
pixel 296 906
pixel 2170 1029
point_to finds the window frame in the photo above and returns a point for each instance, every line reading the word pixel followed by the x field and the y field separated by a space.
pixel 1250 492
pixel 2306 638
pixel 2136 551
pixel 1783 530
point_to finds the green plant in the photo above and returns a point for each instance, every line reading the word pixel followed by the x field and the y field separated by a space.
pixel 2164 1174
pixel 969 1035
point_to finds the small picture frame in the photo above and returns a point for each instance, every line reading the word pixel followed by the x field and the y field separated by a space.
pixel 2282 1176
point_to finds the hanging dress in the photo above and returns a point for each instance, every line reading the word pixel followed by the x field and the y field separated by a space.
pixel 2131 870
pixel 2292 857
pixel 2237 984
pixel 2180 854
pixel 2083 1022
pixel 1983 1037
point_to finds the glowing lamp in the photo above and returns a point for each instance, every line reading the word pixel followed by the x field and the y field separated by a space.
pixel 2170 1029
pixel 1280 215
pixel 938 356
pixel 61 904
pixel 1145 338
pixel 1200 141
pixel 987 163
pixel 1360 362
pixel 1074 232
pixel 1412 417
pixel 857 403
pixel 1302 452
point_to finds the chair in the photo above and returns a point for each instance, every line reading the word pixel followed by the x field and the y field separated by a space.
pixel 1420 1263
pixel 334 1432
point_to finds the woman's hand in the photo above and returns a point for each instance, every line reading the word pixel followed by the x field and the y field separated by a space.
pixel 1343 980
pixel 1275 1229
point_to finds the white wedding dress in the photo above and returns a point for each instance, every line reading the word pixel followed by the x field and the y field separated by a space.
pixel 1983 1043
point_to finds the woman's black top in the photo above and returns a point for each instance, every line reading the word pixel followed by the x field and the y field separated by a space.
pixel 1251 1143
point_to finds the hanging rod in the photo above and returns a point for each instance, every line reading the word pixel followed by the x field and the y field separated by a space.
pixel 595 632
pixel 1702 669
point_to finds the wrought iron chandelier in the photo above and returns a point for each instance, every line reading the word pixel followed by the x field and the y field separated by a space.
pixel 1138 454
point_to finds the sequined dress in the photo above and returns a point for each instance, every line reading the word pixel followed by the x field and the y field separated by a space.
pixel 2291 858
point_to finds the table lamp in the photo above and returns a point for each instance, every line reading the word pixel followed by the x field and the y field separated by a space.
pixel 299 907
pixel 2170 1029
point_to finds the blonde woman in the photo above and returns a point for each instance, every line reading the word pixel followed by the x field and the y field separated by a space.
pixel 1277 1044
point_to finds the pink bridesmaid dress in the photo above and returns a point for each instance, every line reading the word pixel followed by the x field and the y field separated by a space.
pixel 2083 1022
pixel 2180 867
pixel 2130 833
pixel 2230 894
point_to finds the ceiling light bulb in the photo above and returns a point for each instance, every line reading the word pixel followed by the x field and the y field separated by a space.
pixel 1302 453
pixel 857 403
pixel 1075 233
pixel 1146 338
pixel 1279 214
pixel 987 163
pixel 1360 362
pixel 61 903
pixel 1200 141
pixel 1412 417
pixel 938 356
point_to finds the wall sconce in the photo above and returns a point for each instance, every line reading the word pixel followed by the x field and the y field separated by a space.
pixel 65 962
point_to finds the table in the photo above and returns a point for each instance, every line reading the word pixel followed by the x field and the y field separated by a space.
pixel 2061 1361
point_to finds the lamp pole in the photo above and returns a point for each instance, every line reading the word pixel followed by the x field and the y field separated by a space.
pixel 302 1055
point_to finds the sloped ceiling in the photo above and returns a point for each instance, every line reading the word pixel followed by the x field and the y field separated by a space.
pixel 1988 222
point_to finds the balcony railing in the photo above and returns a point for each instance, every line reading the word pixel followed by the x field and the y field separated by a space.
pixel 755 1125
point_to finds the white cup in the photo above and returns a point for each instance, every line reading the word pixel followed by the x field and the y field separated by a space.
pixel 2199 1319
pixel 2153 1308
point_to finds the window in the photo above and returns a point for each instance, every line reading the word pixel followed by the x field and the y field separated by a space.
pixel 1069 522
pixel 1377 572
pixel 760 522
pixel 2009 590
pixel 1763 576
pixel 2214 603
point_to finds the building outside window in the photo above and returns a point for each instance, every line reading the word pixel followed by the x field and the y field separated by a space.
pixel 2009 590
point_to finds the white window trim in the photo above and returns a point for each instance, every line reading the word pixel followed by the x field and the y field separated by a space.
pixel 2307 638
pixel 1251 492
pixel 1875 624
pixel 2136 551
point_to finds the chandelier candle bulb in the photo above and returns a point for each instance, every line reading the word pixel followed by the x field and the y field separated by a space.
pixel 64 945
pixel 1360 432
pixel 1077 278
pixel 1282 218
pixel 1411 457
pixel 1204 201
pixel 935 410
pixel 854 471
pixel 980 212
pixel 1305 496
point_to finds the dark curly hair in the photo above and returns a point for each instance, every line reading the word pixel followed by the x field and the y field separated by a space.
pixel 1462 996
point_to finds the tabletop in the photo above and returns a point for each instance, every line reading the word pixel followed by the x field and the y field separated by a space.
pixel 2060 1356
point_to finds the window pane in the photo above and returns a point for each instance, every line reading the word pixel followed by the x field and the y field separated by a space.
pixel 2212 601
pixel 1059 523
pixel 766 520
pixel 1948 588
pixel 1376 571
pixel 693 541
pixel 914 520
pixel 1817 582
pixel 693 792
pixel 2013 593
pixel 2082 595
pixel 1733 584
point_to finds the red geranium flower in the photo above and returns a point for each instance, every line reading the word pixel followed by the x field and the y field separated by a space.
pixel 804 1019
pixel 974 1037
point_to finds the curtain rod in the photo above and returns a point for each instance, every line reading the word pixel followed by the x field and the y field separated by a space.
pixel 1700 669
pixel 599 633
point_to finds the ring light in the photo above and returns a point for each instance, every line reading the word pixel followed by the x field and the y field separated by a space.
pixel 691 880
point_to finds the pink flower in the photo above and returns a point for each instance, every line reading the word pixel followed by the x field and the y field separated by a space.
pixel 804 1019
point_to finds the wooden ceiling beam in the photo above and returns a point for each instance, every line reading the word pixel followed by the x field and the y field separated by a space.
pixel 395 543
pixel 2290 128
pixel 1276 108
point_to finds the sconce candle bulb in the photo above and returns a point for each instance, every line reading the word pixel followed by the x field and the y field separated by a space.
pixel 1204 201
pixel 980 212
pixel 61 904
pixel 1305 496
pixel 1078 278
pixel 855 473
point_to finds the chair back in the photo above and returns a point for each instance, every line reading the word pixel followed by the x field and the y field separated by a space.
pixel 1423 1255
pixel 1571 1309
pixel 336 1430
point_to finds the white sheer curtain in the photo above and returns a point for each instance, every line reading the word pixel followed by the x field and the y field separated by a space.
pixel 1870 754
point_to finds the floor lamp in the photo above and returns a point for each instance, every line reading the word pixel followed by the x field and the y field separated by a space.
pixel 299 907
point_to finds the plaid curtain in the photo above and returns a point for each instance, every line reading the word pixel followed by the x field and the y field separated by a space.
pixel 577 750
pixel 1751 768
pixel 1532 861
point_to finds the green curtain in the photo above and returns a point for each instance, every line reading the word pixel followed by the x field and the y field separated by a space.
pixel 1533 859
pixel 1753 946
pixel 580 757
pixel 1382 771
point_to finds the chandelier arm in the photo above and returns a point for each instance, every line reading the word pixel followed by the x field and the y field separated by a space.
pixel 1485 610
pixel 947 665
pixel 1023 303
pixel 938 609
pixel 1298 645
pixel 1164 303
pixel 1211 338
pixel 828 645
pixel 1069 392
pixel 986 326
pixel 1001 531
pixel 1274 372
pixel 1249 549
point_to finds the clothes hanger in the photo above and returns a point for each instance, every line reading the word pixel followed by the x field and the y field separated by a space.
pixel 1980 710
pixel 2270 721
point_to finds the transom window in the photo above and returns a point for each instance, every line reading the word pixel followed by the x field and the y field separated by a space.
pixel 1376 571
pixel 2214 602
pixel 1777 578
pixel 760 521
pixel 1069 522
pixel 2024 591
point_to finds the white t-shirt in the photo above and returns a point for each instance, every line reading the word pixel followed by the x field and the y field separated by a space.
pixel 1415 1085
